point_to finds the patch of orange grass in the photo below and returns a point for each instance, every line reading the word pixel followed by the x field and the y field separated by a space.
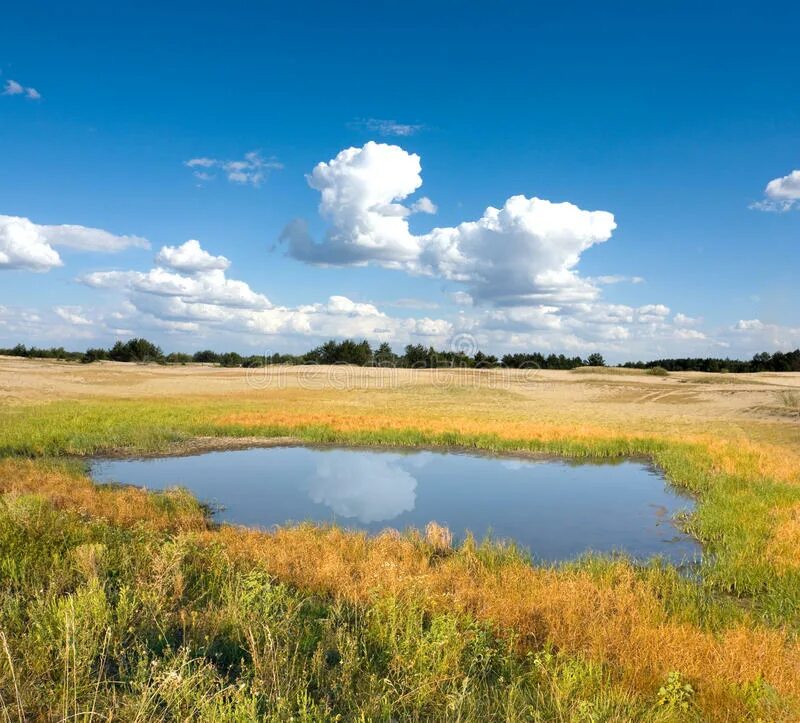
pixel 784 547
pixel 754 460
pixel 502 428
pixel 119 505
pixel 617 621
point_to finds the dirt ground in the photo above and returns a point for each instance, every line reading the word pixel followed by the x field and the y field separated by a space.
pixel 758 406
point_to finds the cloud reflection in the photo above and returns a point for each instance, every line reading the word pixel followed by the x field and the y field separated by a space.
pixel 370 488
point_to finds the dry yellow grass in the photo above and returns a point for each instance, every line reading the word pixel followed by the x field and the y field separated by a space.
pixel 784 547
pixel 118 505
pixel 620 621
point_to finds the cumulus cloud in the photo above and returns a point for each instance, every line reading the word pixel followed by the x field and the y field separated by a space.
pixel 749 325
pixel 683 320
pixel 387 127
pixel 209 287
pixel 27 245
pixel 248 171
pixel 524 252
pixel 424 205
pixel 72 315
pixel 757 335
pixel 188 291
pixel 782 194
pixel 626 332
pixel 191 258
pixel 12 87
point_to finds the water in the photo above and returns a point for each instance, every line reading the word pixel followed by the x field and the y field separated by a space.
pixel 556 509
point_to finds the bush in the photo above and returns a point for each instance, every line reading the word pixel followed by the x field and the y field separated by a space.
pixel 658 371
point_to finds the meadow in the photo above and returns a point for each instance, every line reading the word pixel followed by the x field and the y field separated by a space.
pixel 118 603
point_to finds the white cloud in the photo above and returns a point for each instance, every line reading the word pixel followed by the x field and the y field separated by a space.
pixel 27 245
pixel 82 238
pixel 749 325
pixel 757 335
pixel 72 315
pixel 424 205
pixel 203 287
pixel 782 194
pixel 190 257
pixel 411 303
pixel 23 246
pixel 617 279
pixel 652 314
pixel 524 252
pixel 250 170
pixel 683 320
pixel 689 334
pixel 387 127
pixel 360 190
pixel 12 87
pixel 192 296
pixel 460 298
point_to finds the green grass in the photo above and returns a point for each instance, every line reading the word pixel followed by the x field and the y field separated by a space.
pixel 733 519
pixel 99 619
pixel 152 626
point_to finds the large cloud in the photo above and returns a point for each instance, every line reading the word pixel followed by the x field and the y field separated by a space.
pixel 360 193
pixel 27 245
pixel 524 252
pixel 205 287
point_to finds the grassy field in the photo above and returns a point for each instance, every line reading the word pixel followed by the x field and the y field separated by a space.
pixel 121 604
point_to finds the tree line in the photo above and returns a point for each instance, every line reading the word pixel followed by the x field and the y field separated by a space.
pixel 763 362
pixel 414 356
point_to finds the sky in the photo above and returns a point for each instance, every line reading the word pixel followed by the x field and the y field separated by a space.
pixel 565 177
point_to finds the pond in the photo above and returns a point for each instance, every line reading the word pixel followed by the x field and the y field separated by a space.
pixel 556 509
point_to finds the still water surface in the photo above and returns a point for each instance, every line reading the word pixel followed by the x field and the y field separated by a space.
pixel 556 509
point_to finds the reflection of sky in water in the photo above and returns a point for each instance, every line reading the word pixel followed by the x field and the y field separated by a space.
pixel 556 509
pixel 370 488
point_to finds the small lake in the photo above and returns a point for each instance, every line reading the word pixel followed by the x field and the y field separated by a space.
pixel 556 509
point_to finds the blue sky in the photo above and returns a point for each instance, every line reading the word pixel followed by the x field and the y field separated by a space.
pixel 673 118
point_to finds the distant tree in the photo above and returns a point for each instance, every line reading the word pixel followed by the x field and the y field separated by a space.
pixel 415 356
pixel 230 359
pixel 136 350
pixel 177 357
pixel 205 357
pixel 595 360
pixel 92 355
pixel 384 356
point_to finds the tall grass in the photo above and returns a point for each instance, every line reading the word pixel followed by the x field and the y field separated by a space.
pixel 118 602
pixel 102 621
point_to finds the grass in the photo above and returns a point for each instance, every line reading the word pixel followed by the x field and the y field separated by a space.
pixel 116 602
pixel 154 626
